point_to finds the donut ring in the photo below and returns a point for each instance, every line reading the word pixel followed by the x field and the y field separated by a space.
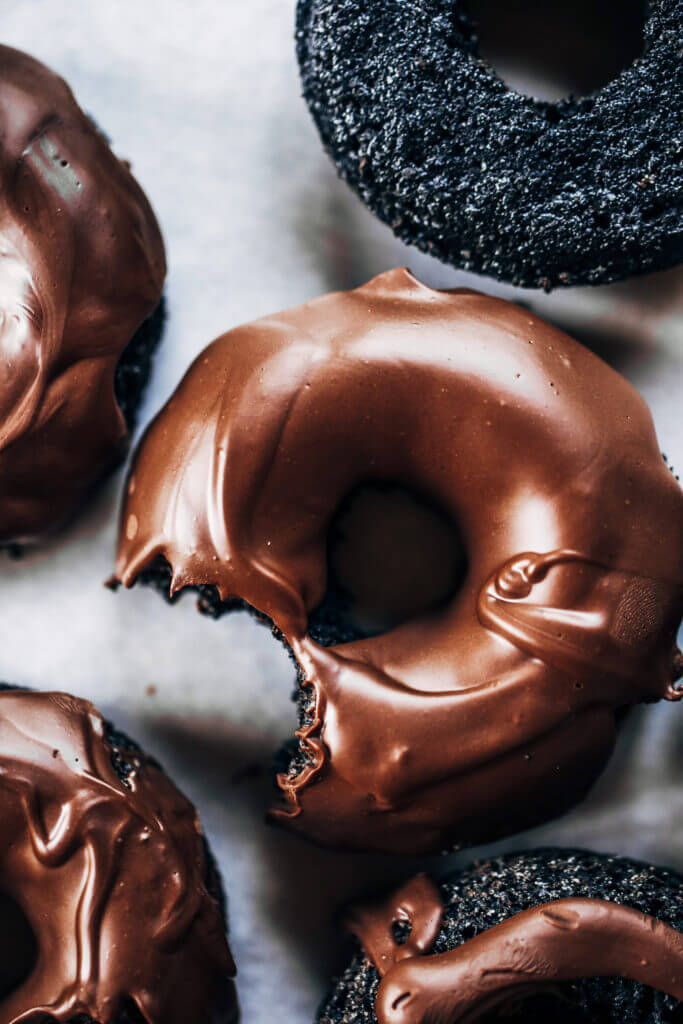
pixel 538 194
pixel 498 711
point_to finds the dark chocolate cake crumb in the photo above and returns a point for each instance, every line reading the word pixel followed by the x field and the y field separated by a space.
pixel 581 191
pixel 135 365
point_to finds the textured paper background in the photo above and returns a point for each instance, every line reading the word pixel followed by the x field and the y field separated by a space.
pixel 203 97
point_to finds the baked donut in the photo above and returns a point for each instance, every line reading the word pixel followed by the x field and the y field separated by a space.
pixel 109 891
pixel 496 711
pixel 564 936
pixel 81 268
pixel 438 147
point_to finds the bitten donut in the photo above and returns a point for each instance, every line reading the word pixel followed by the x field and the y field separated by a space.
pixel 494 712
pixel 539 194
pixel 109 893
pixel 564 936
pixel 81 268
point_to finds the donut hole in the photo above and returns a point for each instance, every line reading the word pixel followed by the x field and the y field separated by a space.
pixel 392 556
pixel 19 947
pixel 554 50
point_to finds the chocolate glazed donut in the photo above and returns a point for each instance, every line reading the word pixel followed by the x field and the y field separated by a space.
pixel 497 711
pixel 459 951
pixel 81 267
pixel 582 191
pixel 106 861
pixel 557 941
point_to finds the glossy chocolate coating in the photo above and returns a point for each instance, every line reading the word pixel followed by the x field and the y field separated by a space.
pixel 81 266
pixel 109 874
pixel 418 905
pixel 497 711
pixel 556 941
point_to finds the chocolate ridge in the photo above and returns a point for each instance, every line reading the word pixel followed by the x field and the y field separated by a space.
pixel 82 266
pixel 418 905
pixel 548 462
pixel 134 924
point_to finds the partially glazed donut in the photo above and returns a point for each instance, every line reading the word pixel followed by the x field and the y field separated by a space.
pixel 107 888
pixel 497 711
pixel 582 191
pixel 566 936
pixel 81 267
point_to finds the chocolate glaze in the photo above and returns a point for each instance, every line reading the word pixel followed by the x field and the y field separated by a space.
pixel 557 941
pixel 81 266
pixel 109 875
pixel 417 904
pixel 498 711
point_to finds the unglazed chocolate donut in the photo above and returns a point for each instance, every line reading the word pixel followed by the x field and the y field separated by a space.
pixel 497 711
pixel 582 191
pixel 107 888
pixel 565 936
pixel 81 267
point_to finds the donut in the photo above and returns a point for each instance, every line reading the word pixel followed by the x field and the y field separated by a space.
pixel 565 936
pixel 109 890
pixel 82 268
pixel 582 191
pixel 498 710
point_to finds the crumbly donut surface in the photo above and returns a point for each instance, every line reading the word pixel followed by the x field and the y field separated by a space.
pixel 583 191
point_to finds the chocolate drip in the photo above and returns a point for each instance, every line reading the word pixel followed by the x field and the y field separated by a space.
pixel 611 632
pixel 417 905
pixel 81 266
pixel 559 941
pixel 110 876
pixel 498 711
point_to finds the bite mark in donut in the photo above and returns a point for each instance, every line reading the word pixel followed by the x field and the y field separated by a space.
pixel 497 711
